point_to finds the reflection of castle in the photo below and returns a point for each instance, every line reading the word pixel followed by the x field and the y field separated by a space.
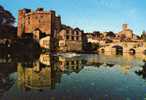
pixel 36 75
pixel 47 71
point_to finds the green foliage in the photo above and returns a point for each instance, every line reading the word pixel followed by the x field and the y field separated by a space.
pixel 143 36
pixel 7 28
pixel 92 46
pixel 97 34
pixel 6 18
pixel 110 34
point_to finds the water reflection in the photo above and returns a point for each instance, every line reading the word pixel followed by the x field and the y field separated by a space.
pixel 7 66
pixel 39 74
pixel 46 71
pixel 54 77
pixel 69 65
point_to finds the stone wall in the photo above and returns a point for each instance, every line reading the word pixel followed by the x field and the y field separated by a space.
pixel 46 21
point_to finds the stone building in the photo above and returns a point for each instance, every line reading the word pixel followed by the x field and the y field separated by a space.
pixel 126 32
pixel 70 39
pixel 47 29
pixel 38 22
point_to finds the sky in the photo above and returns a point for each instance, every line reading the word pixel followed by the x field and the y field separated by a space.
pixel 90 15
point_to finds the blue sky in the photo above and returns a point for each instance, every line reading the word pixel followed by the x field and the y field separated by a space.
pixel 90 15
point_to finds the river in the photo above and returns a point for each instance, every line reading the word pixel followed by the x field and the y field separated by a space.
pixel 82 77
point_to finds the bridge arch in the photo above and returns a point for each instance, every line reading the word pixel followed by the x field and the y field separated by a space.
pixel 144 52
pixel 102 50
pixel 118 49
pixel 132 51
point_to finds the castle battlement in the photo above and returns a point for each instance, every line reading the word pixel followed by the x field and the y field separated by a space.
pixel 38 10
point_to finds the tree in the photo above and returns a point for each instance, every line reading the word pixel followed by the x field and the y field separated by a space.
pixel 7 20
pixel 96 33
pixel 110 34
pixel 92 46
pixel 143 36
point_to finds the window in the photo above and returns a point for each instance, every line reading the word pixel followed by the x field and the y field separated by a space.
pixel 29 17
pixel 67 63
pixel 67 37
pixel 77 38
pixel 72 37
pixel 77 62
pixel 67 31
pixel 72 62
pixel 45 42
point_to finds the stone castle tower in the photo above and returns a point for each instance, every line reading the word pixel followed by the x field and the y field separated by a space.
pixel 46 21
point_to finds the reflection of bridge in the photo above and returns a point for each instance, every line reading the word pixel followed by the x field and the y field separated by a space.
pixel 124 47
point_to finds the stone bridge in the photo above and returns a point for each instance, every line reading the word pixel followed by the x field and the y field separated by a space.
pixel 123 47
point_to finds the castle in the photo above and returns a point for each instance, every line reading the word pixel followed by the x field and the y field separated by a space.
pixel 47 27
